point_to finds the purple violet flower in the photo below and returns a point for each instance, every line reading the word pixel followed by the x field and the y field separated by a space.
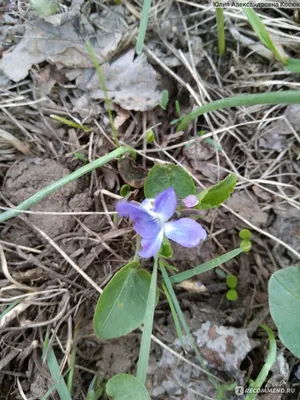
pixel 150 222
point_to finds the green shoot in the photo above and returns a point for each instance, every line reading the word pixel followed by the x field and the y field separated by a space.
pixel 60 384
pixel 164 99
pixel 73 355
pixel 260 29
pixel 143 26
pixel 221 32
pixel 102 82
pixel 95 390
pixel 73 124
pixel 262 376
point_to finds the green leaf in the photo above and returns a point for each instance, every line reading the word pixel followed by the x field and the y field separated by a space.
pixel 293 64
pixel 231 281
pixel 217 194
pixel 162 177
pixel 126 387
pixel 232 295
pixel 207 266
pixel 284 300
pixel 121 307
pixel 245 234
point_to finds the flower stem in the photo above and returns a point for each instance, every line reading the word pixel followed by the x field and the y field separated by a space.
pixel 148 326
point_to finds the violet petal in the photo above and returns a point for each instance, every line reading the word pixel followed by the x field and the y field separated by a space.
pixel 143 223
pixel 165 204
pixel 185 231
pixel 150 247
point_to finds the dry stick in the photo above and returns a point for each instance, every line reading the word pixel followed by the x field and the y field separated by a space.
pixel 65 256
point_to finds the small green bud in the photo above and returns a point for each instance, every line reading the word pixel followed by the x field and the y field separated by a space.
pixel 232 295
pixel 231 281
pixel 245 234
pixel 125 190
pixel 246 245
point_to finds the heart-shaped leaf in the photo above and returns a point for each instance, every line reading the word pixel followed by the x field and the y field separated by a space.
pixel 162 177
pixel 217 194
pixel 126 387
pixel 121 307
pixel 284 300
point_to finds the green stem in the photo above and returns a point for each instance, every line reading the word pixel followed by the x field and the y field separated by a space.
pixel 25 205
pixel 221 33
pixel 284 97
pixel 211 377
pixel 262 376
pixel 103 85
pixel 143 362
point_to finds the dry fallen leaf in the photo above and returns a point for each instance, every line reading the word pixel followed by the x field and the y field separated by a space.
pixel 248 207
pixel 130 81
pixel 61 45
pixel 274 137
pixel 122 115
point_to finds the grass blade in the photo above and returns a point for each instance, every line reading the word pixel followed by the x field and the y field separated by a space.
pixel 284 97
pixel 260 29
pixel 143 26
pixel 293 65
pixel 148 326
pixel 59 382
pixel 62 182
pixel 174 315
pixel 73 124
pixel 206 266
pixel 8 308
pixel 221 32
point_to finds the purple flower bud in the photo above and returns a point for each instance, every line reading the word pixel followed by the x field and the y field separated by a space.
pixel 190 201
